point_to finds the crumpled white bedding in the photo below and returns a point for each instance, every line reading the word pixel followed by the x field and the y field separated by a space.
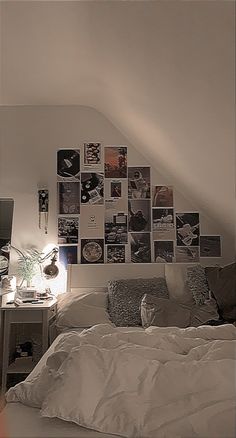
pixel 158 382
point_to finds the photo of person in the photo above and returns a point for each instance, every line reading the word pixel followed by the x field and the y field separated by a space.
pixel 115 189
pixel 68 197
pixel 115 253
pixel 68 165
pixel 164 251
pixel 92 154
pixel 139 215
pixel 187 229
pixel 162 196
pixel 92 251
pixel 210 246
pixel 115 227
pixel 140 247
pixel 184 254
pixel 116 162
pixel 68 229
pixel 92 188
pixel 163 223
pixel 139 182
pixel 68 255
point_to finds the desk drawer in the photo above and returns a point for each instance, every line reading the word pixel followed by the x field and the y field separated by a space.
pixel 25 316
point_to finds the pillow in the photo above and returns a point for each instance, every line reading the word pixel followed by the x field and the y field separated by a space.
pixel 222 283
pixel 83 309
pixel 204 313
pixel 163 312
pixel 124 298
pixel 197 283
pixel 176 279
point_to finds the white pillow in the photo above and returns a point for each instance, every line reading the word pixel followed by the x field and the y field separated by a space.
pixel 176 279
pixel 82 308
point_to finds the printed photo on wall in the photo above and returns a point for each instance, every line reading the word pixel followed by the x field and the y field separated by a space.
pixel 92 155
pixel 164 251
pixel 68 165
pixel 68 229
pixel 92 188
pixel 117 204
pixel 163 223
pixel 139 215
pixel 92 221
pixel 186 254
pixel 92 251
pixel 139 182
pixel 210 246
pixel 187 229
pixel 140 247
pixel 115 227
pixel 68 197
pixel 68 255
pixel 115 253
pixel 162 196
pixel 116 189
pixel 116 162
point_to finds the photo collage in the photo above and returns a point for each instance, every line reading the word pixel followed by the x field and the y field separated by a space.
pixel 109 212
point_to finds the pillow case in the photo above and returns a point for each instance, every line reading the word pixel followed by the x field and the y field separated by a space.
pixel 222 283
pixel 124 298
pixel 163 312
pixel 82 309
pixel 197 283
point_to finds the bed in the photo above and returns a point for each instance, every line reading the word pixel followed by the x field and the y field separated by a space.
pixel 106 347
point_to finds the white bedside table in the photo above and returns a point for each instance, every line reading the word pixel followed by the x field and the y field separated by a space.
pixel 28 313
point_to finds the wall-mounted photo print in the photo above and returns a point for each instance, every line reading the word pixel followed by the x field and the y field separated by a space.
pixel 68 197
pixel 139 215
pixel 163 224
pixel 139 182
pixel 92 221
pixel 68 255
pixel 68 229
pixel 92 251
pixel 162 196
pixel 164 251
pixel 115 253
pixel 92 154
pixel 210 246
pixel 186 254
pixel 140 247
pixel 115 227
pixel 92 185
pixel 116 189
pixel 187 229
pixel 116 162
pixel 117 204
pixel 68 165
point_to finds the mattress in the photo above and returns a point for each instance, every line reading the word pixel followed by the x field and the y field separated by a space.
pixel 20 421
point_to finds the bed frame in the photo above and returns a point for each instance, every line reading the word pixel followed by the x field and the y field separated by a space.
pixel 88 276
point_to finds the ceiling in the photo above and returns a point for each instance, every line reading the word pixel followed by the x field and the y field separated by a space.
pixel 161 71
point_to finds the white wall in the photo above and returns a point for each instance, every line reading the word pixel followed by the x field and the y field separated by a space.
pixel 30 137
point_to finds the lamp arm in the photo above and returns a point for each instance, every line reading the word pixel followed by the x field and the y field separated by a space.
pixel 53 252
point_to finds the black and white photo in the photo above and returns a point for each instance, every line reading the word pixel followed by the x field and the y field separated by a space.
pixel 162 196
pixel 68 165
pixel 210 246
pixel 115 227
pixel 163 224
pixel 116 189
pixel 68 255
pixel 187 229
pixel 139 182
pixel 115 253
pixel 92 155
pixel 184 254
pixel 164 251
pixel 68 197
pixel 140 247
pixel 68 229
pixel 116 162
pixel 92 188
pixel 139 215
pixel 92 251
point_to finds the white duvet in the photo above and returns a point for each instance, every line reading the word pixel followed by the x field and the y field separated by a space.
pixel 158 382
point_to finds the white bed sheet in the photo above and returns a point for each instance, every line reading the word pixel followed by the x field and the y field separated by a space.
pixel 20 421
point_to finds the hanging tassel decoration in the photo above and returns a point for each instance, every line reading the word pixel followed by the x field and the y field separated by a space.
pixel 43 209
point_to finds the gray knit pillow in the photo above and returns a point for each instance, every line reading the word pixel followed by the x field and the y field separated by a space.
pixel 197 283
pixel 124 298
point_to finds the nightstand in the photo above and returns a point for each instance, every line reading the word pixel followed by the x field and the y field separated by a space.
pixel 42 314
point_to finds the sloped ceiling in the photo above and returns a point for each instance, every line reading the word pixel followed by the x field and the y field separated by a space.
pixel 161 71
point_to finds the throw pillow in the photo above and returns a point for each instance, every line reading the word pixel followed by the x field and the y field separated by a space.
pixel 163 312
pixel 197 283
pixel 222 283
